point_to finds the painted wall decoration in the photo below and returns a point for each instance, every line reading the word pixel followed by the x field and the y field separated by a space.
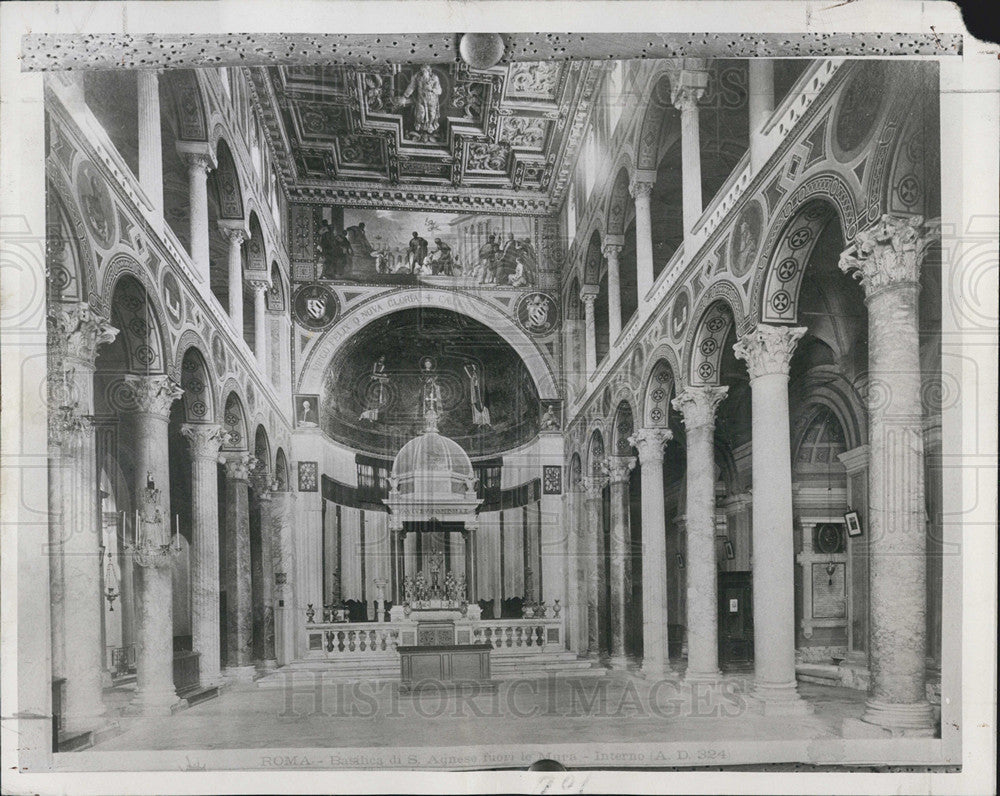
pixel 315 307
pixel 746 238
pixel 402 247
pixel 551 416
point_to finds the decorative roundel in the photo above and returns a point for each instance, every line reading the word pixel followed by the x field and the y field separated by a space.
pixel 679 315
pixel 198 408
pixel 656 414
pixel 218 353
pixel 858 110
pixel 537 313
pixel 658 394
pixel 787 269
pixel 120 396
pixel 715 324
pixel 144 355
pixel 909 190
pixel 705 370
pixel 709 346
pixel 60 277
pixel 96 204
pixel 781 301
pixel 315 307
pixel 828 539
pixel 172 298
pixel 800 237
pixel 662 376
pixel 232 419
pixel 746 238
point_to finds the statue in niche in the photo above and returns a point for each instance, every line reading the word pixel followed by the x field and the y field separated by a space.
pixel 379 380
pixel 423 96
pixel 480 412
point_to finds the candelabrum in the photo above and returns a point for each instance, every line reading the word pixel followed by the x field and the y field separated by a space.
pixel 148 551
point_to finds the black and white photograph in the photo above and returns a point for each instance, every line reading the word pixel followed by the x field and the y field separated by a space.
pixel 389 391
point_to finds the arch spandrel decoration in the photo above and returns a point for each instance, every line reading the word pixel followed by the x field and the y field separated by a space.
pixel 829 186
pixel 188 104
pixel 623 428
pixel 618 203
pixel 68 254
pixel 537 359
pixel 198 397
pixel 135 315
pixel 234 425
pixel 593 260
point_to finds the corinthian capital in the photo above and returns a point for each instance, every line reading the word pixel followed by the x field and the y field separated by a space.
pixel 152 394
pixel 67 425
pixel 768 350
pixel 640 187
pixel 76 332
pixel 198 162
pixel 205 439
pixel 238 466
pixel 888 253
pixel 259 284
pixel 592 486
pixel 617 468
pixel 697 405
pixel 650 443
pixel 236 236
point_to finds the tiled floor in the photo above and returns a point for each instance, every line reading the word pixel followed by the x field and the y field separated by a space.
pixel 619 707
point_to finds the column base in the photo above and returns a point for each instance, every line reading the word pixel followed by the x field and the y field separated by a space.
pixel 888 720
pixel 268 665
pixel 154 703
pixel 618 662
pixel 656 670
pixel 702 677
pixel 239 674
pixel 778 699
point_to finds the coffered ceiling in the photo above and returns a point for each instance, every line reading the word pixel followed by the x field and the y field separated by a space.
pixel 503 139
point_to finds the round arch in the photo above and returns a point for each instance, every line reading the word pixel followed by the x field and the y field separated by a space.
pixel 654 122
pixel 185 91
pixel 134 311
pixel 257 254
pixel 616 210
pixel 575 471
pixel 198 399
pixel 786 248
pixel 262 448
pixel 825 385
pixel 276 296
pixel 593 260
pixel 705 343
pixel 282 478
pixel 623 426
pixel 313 370
pixel 227 184
pixel 69 257
pixel 658 386
pixel 234 424
pixel 595 452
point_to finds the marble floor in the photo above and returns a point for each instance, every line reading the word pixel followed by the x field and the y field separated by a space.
pixel 620 707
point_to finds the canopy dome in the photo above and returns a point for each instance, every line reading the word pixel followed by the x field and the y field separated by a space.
pixel 432 464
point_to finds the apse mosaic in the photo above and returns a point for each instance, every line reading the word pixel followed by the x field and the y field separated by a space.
pixel 383 382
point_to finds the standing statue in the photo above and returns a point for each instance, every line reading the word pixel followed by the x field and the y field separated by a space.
pixel 423 94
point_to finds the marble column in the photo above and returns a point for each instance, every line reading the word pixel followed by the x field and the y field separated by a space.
pixel 75 333
pixel 650 443
pixel 697 406
pixel 761 102
pixel 611 253
pixel 588 295
pixel 146 433
pixel 593 552
pixel 767 351
pixel 617 469
pixel 236 578
pixel 469 543
pixel 198 167
pixel 150 147
pixel 260 335
pixel 283 563
pixel 266 574
pixel 205 439
pixel 642 189
pixel 236 237
pixel 685 99
pixel 886 258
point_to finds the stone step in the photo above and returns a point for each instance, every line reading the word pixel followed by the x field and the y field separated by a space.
pixel 821 673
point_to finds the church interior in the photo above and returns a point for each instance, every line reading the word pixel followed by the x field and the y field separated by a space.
pixel 601 374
